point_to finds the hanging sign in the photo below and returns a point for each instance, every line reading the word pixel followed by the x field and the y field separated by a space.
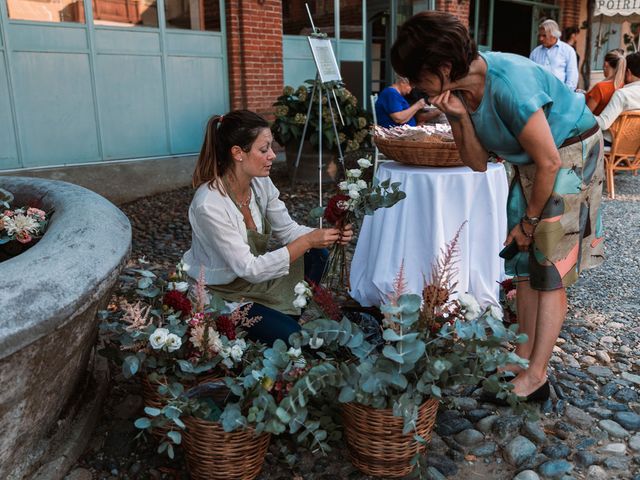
pixel 622 9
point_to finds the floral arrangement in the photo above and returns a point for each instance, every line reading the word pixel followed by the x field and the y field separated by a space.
pixel 358 198
pixel 291 115
pixel 24 224
pixel 430 343
pixel 508 301
pixel 177 335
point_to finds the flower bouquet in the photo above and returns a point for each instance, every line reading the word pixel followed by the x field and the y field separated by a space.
pixel 175 335
pixel 508 301
pixel 358 198
pixel 432 344
pixel 19 227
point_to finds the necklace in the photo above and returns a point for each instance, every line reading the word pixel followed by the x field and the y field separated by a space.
pixel 246 202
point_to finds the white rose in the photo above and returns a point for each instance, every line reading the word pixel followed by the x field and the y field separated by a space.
pixel 225 352
pixel 354 172
pixel 300 302
pixel 294 352
pixel 362 184
pixel 236 353
pixel 364 163
pixel 354 194
pixel 353 186
pixel 179 286
pixel 173 342
pixel 496 312
pixel 241 343
pixel 301 288
pixel 300 362
pixel 343 185
pixel 158 338
pixel 470 304
pixel 316 342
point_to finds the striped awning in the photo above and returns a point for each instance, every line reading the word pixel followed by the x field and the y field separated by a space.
pixel 617 10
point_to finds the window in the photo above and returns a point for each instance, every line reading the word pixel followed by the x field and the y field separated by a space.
pixel 351 19
pixel 47 10
pixel 193 14
pixel 604 37
pixel 125 13
pixel 295 20
pixel 479 28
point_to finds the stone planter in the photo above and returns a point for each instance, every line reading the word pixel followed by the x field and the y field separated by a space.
pixel 49 296
pixel 307 171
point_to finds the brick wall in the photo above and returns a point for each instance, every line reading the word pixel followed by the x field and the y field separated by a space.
pixel 254 42
pixel 570 13
pixel 458 8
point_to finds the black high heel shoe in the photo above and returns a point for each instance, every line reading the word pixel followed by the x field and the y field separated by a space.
pixel 541 394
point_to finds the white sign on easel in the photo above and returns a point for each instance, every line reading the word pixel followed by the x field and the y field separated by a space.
pixel 325 60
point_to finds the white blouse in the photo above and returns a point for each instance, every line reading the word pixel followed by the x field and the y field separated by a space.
pixel 219 235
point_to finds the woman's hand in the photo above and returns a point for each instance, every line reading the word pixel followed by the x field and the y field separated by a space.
pixel 346 234
pixel 522 240
pixel 322 237
pixel 449 104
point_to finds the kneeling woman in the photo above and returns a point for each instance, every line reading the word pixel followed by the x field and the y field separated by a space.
pixel 236 215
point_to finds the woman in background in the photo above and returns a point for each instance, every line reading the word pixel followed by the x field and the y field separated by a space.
pixel 614 67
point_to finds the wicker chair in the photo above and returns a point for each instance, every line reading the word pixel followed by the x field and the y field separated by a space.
pixel 625 149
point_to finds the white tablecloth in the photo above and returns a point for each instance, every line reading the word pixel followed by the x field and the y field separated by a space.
pixel 415 230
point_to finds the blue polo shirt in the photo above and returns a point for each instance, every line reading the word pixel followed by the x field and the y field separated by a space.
pixel 390 101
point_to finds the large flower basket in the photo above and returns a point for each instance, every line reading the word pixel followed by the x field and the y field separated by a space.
pixel 213 454
pixel 375 441
pixel 432 153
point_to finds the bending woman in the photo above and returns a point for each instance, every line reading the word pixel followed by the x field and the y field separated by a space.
pixel 236 214
pixel 508 105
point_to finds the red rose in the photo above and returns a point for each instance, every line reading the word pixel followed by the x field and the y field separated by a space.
pixel 226 327
pixel 337 209
pixel 178 301
pixel 507 285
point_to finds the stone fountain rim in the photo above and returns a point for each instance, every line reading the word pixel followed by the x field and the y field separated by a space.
pixel 86 241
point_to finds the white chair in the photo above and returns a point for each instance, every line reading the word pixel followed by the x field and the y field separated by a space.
pixel 377 156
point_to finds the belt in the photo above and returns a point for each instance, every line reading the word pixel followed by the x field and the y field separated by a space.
pixel 581 137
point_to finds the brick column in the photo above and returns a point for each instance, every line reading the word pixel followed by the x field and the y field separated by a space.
pixel 458 8
pixel 254 43
pixel 570 13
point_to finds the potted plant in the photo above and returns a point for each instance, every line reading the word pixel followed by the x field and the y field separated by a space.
pixel 430 343
pixel 291 114
pixel 20 228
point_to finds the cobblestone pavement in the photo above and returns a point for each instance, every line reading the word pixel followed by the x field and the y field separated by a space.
pixel 589 429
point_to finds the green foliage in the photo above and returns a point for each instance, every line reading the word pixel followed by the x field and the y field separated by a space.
pixel 291 114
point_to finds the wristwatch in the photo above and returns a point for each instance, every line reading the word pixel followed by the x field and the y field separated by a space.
pixel 533 221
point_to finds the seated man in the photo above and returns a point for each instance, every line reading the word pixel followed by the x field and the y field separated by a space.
pixel 392 109
pixel 625 98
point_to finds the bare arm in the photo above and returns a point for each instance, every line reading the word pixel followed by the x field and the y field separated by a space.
pixel 472 153
pixel 403 116
pixel 318 238
pixel 536 139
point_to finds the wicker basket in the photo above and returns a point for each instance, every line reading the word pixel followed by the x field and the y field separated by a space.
pixel 213 454
pixel 427 153
pixel 375 441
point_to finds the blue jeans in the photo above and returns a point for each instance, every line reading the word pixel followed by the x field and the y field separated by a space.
pixel 275 324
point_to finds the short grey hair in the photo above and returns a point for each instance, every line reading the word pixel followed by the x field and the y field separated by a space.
pixel 551 27
pixel 401 79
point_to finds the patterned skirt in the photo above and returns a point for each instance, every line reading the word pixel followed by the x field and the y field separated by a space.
pixel 569 237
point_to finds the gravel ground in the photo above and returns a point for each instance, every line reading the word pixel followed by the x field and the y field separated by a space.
pixel 588 430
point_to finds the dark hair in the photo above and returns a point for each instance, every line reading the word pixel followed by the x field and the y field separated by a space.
pixel 633 63
pixel 428 41
pixel 238 127
pixel 615 59
pixel 570 31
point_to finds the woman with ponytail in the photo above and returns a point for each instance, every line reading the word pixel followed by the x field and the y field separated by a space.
pixel 614 67
pixel 236 216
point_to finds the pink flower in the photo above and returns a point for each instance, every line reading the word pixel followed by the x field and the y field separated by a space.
pixel 36 212
pixel 23 236
pixel 197 319
pixel 8 213
pixel 511 294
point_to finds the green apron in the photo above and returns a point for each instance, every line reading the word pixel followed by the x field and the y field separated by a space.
pixel 277 293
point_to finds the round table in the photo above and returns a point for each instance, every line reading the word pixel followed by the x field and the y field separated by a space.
pixel 414 231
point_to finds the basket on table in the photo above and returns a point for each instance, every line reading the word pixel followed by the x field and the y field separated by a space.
pixel 213 454
pixel 428 145
pixel 375 441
